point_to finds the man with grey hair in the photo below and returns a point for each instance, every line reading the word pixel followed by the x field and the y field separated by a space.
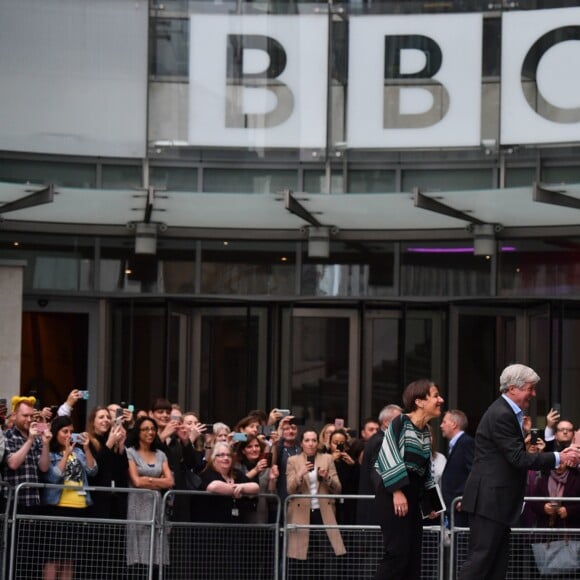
pixel 494 491
pixel 365 510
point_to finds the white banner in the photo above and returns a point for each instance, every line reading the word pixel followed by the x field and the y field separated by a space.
pixel 414 81
pixel 258 81
pixel 540 89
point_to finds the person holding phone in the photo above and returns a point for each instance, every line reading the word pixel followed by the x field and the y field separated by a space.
pixel 348 472
pixel 254 460
pixel 312 473
pixel 70 465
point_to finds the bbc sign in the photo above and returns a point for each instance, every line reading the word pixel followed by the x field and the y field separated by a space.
pixel 413 81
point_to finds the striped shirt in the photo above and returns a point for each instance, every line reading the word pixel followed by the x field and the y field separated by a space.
pixel 411 452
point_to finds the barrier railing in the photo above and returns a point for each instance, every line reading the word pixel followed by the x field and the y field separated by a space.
pixel 165 535
pixel 526 547
pixel 248 550
pixel 80 543
pixel 363 545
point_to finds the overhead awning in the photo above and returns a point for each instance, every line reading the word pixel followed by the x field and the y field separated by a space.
pixel 388 215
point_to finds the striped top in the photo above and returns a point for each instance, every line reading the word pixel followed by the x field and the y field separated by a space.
pixel 410 452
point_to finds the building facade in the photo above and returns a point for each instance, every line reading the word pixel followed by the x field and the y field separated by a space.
pixel 294 204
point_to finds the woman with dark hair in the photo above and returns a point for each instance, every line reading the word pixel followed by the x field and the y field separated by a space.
pixel 403 475
pixel 311 473
pixel 148 469
pixel 347 469
pixel 69 465
pixel 254 460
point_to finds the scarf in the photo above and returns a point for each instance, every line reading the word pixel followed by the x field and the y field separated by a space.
pixel 557 482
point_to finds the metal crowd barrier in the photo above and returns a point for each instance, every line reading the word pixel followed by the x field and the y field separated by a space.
pixel 218 551
pixel 522 562
pixel 6 496
pixel 363 544
pixel 94 547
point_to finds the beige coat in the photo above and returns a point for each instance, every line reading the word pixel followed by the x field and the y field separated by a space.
pixel 299 509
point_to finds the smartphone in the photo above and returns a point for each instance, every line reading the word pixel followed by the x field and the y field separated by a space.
pixel 75 438
pixel 311 459
pixel 53 409
pixel 42 427
pixel 340 447
pixel 239 437
pixel 284 412
pixel 266 430
pixel 339 423
pixel 3 402
pixel 118 413
pixel 209 429
pixel 131 408
pixel 557 407
pixel 577 437
pixel 534 436
pixel 84 395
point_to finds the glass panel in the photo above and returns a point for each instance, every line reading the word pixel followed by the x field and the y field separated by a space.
pixel 386 368
pixel 540 347
pixel 249 180
pixel 419 350
pixel 174 178
pixel 570 364
pixel 444 269
pixel 54 358
pixel 561 174
pixel 447 179
pixel 485 345
pixel 520 176
pixel 53 264
pixel 371 181
pixel 352 269
pixel 138 367
pixel 234 267
pixel 539 267
pixel 320 369
pixel 170 41
pixel 121 176
pixel 229 367
pixel 316 182
pixel 44 172
pixel 171 270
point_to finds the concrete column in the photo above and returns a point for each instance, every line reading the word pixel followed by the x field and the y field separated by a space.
pixel 11 284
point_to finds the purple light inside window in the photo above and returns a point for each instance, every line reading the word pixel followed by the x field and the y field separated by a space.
pixel 453 250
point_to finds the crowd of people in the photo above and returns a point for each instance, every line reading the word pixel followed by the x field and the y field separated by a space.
pixel 244 467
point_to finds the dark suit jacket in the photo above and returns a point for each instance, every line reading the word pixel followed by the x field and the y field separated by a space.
pixel 457 469
pixel 495 487
pixel 366 514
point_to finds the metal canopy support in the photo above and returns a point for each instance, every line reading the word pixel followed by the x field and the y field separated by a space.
pixel 40 197
pixel 295 207
pixel 554 197
pixel 428 203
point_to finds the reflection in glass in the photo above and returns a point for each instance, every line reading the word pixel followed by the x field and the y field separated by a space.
pixel 352 269
pixel 319 378
pixel 444 269
pixel 385 364
pixel 248 268
pixel 229 374
pixel 540 267
pixel 249 180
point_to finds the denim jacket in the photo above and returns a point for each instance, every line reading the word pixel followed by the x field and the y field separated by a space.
pixel 51 496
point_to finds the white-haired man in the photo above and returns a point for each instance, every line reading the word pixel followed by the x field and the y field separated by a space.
pixel 494 491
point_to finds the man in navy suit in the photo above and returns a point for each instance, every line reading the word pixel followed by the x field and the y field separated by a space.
pixel 494 491
pixel 459 462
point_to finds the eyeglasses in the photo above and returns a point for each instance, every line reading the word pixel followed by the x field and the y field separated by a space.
pixel 148 429
pixel 562 429
pixel 221 455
